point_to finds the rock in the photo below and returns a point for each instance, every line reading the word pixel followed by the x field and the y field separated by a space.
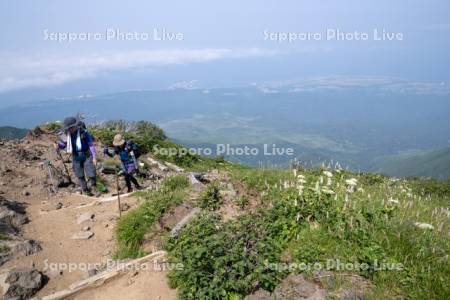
pixel 83 235
pixel 318 295
pixel 86 228
pixel 174 167
pixel 92 272
pixel 4 257
pixel 260 295
pixel 12 216
pixel 87 216
pixel 324 278
pixel 124 207
pixel 27 247
pixel 228 191
pixel 58 205
pixel 177 228
pixel 26 193
pixel 195 178
pixel 295 287
pixel 22 283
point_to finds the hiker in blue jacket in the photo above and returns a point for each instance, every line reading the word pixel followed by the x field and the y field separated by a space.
pixel 127 151
pixel 80 143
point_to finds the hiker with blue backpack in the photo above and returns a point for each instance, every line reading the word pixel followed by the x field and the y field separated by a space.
pixel 80 144
pixel 128 151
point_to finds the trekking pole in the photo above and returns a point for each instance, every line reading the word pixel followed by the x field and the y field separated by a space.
pixel 118 194
pixel 64 164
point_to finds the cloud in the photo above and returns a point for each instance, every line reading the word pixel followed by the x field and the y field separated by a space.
pixel 184 85
pixel 50 70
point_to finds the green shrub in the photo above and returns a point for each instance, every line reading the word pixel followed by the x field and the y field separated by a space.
pixel 431 187
pixel 175 182
pixel 224 260
pixel 132 227
pixel 51 126
pixel 210 198
pixel 144 133
pixel 372 225
pixel 241 201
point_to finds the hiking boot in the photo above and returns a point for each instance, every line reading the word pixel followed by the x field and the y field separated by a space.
pixel 139 187
pixel 88 193
pixel 129 190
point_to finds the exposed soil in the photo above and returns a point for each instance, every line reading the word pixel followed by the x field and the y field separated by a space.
pixel 53 221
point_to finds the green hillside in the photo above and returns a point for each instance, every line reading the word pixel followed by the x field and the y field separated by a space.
pixel 10 133
pixel 433 163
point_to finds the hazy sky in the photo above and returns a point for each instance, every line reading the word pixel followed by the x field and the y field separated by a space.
pixel 222 44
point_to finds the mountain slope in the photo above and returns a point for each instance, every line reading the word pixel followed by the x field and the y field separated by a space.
pixel 432 163
pixel 10 133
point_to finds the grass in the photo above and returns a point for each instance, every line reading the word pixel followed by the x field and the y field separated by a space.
pixel 304 218
pixel 4 237
pixel 310 220
pixel 133 226
pixel 4 249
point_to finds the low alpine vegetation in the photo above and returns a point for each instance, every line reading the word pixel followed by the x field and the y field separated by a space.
pixel 210 199
pixel 397 237
pixel 132 227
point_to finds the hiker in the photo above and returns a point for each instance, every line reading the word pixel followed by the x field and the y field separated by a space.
pixel 80 143
pixel 128 153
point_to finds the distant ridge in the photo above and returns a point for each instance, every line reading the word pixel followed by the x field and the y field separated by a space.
pixel 11 133
pixel 430 163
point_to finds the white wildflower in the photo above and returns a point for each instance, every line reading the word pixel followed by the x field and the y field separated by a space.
pixel 317 186
pixel 328 191
pixel 425 226
pixel 301 181
pixel 295 172
pixel 393 201
pixel 351 182
pixel 328 174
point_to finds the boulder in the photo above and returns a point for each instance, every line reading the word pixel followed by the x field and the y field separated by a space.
pixel 27 247
pixel 83 235
pixel 295 287
pixel 260 295
pixel 12 216
pixel 87 216
pixel 22 283
pixel 176 230
pixel 124 207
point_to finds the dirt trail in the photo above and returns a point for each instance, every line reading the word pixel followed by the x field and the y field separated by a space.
pixel 53 222
pixel 146 285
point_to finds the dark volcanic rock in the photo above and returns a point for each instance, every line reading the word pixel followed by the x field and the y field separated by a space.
pixel 12 216
pixel 22 283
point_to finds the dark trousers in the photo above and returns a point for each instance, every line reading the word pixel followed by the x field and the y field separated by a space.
pixel 80 168
pixel 130 178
